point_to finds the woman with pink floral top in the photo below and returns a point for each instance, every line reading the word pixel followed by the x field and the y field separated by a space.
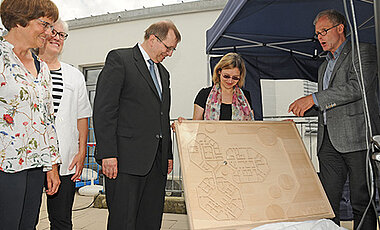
pixel 28 142
pixel 225 100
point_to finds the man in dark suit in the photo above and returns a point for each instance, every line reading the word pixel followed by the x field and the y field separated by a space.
pixel 342 141
pixel 131 122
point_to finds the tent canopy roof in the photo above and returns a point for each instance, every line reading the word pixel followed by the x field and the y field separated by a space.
pixel 278 27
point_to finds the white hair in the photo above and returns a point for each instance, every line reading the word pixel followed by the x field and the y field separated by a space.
pixel 64 25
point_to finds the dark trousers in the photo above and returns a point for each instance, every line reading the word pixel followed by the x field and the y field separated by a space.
pixel 60 205
pixel 136 202
pixel 334 167
pixel 20 199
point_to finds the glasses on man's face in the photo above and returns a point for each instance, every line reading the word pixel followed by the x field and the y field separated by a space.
pixel 62 35
pixel 226 76
pixel 324 31
pixel 168 49
pixel 46 25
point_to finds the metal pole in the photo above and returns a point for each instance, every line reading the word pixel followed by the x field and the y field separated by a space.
pixel 208 70
pixel 376 9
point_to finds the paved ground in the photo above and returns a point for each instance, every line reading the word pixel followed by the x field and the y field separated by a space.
pixel 95 219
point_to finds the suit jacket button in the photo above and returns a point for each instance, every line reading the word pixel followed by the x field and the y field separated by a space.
pixel 158 136
pixel 162 113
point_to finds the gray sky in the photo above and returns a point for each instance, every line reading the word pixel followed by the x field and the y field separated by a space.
pixel 70 9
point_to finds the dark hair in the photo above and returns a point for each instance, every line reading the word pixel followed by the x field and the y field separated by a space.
pixel 161 29
pixel 334 16
pixel 230 61
pixel 21 12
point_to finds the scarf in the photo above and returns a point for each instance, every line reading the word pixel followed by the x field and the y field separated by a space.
pixel 241 111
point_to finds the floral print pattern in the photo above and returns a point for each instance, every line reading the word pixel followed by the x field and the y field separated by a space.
pixel 27 133
pixel 241 111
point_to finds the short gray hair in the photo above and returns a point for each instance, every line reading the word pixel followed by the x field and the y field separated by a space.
pixel 161 30
pixel 64 25
pixel 334 16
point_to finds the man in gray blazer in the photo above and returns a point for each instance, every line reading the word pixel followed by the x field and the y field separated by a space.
pixel 342 140
pixel 131 122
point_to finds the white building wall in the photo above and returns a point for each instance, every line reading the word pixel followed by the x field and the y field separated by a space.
pixel 188 66
pixel 92 38
pixel 278 94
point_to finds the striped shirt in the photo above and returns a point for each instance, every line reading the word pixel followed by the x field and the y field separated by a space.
pixel 57 80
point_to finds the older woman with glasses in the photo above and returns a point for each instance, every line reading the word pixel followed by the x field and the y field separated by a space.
pixel 72 110
pixel 225 100
pixel 28 142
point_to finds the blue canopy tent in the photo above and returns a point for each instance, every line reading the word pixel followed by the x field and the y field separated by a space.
pixel 275 38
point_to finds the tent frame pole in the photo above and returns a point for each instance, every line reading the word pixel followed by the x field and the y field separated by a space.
pixel 376 9
pixel 273 45
pixel 208 70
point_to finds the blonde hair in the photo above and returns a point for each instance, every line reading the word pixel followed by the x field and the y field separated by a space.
pixel 230 61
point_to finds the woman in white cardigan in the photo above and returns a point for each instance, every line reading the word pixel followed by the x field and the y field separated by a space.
pixel 72 110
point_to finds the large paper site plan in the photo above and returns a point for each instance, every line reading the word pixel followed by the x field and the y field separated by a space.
pixel 239 175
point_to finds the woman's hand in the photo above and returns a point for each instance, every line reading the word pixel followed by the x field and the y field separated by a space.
pixel 180 119
pixel 52 180
pixel 78 163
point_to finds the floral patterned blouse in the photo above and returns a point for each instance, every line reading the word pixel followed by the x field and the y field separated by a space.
pixel 27 133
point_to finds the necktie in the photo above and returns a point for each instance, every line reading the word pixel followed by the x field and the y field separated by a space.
pixel 154 77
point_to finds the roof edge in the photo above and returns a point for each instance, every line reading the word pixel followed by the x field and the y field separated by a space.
pixel 146 13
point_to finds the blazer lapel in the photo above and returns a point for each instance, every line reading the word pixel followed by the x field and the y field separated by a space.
pixel 141 66
pixel 346 50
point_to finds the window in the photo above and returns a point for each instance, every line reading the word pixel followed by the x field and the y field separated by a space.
pixel 91 76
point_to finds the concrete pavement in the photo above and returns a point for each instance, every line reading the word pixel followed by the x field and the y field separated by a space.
pixel 96 219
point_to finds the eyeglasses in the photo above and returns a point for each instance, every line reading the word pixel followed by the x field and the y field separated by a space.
pixel 46 25
pixel 233 77
pixel 62 35
pixel 324 31
pixel 169 49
